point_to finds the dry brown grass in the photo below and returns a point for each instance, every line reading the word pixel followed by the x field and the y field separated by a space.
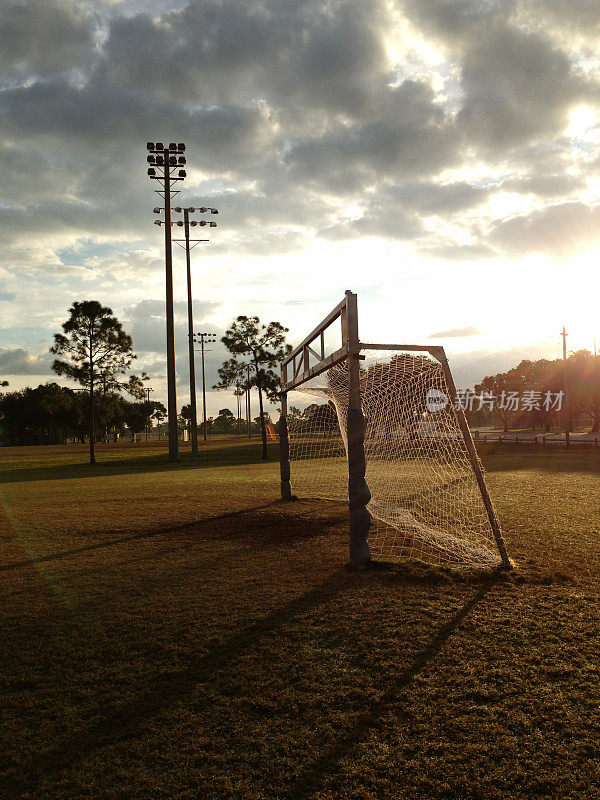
pixel 173 631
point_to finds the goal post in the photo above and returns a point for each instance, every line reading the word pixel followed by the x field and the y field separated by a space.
pixel 305 363
pixel 388 435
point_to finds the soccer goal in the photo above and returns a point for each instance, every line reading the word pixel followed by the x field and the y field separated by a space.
pixel 379 425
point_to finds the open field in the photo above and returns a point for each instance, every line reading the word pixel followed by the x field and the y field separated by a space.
pixel 174 631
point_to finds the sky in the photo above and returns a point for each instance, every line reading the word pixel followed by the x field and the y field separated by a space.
pixel 438 157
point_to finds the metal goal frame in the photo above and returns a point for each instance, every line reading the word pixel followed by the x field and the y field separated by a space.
pixel 308 360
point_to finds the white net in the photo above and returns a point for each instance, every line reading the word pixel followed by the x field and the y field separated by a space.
pixel 426 504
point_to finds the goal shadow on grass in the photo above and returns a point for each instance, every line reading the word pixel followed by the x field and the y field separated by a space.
pixel 307 783
pixel 127 721
pixel 188 526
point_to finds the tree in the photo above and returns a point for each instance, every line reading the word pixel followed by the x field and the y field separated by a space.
pixel 224 420
pixel 98 350
pixel 186 418
pixel 135 415
pixel 264 347
pixel 503 387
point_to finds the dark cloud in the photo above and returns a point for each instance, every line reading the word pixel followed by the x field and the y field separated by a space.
pixel 17 361
pixel 146 323
pixel 44 37
pixel 545 185
pixel 319 54
pixel 410 135
pixel 450 251
pixel 440 199
pixel 576 16
pixel 557 230
pixel 518 84
pixel 518 87
pixel 379 219
pixel 456 333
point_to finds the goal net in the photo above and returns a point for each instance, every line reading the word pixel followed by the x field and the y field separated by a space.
pixel 425 500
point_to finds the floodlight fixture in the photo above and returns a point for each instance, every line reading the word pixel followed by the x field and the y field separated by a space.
pixel 151 172
pixel 150 145
pixel 193 223
pixel 214 211
pixel 181 160
pixel 177 209
pixel 160 161
pixel 160 146
pixel 150 159
pixel 158 222
pixel 203 210
pixel 182 173
pixel 156 210
pixel 172 145
pixel 180 223
pixel 181 147
pixel 212 224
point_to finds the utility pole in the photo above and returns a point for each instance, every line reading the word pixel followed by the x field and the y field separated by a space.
pixel 168 160
pixel 186 224
pixel 248 408
pixel 148 390
pixel 209 338
pixel 564 335
pixel 238 397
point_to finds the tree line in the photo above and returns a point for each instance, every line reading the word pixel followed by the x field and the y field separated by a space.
pixel 53 414
pixel 97 353
pixel 545 391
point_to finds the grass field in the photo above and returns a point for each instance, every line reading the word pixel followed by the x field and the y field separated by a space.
pixel 173 631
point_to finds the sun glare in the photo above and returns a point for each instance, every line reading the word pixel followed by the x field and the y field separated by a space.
pixel 581 119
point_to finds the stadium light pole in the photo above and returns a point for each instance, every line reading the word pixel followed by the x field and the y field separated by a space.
pixel 186 223
pixel 238 395
pixel 209 338
pixel 165 166
pixel 148 390
pixel 564 335
pixel 248 401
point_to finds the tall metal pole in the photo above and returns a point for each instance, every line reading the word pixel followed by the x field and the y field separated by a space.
pixel 194 418
pixel 165 159
pixel 148 390
pixel 203 387
pixel 564 335
pixel 248 407
pixel 171 377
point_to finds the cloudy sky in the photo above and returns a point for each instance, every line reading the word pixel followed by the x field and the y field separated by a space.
pixel 439 157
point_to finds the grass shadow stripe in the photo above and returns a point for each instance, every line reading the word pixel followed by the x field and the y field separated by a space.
pixel 133 538
pixel 307 783
pixel 126 722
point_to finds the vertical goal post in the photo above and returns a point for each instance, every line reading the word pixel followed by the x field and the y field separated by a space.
pixel 311 359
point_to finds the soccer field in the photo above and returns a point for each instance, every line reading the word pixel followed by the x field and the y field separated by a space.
pixel 174 631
